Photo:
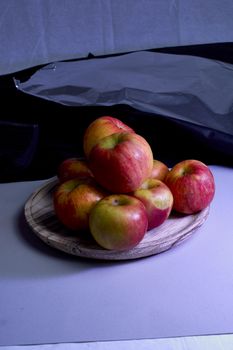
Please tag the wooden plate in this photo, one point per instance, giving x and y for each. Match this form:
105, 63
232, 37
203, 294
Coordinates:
41, 218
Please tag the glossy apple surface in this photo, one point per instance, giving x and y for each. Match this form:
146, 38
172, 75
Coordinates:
118, 222
100, 128
73, 168
73, 201
121, 162
159, 170
157, 199
192, 185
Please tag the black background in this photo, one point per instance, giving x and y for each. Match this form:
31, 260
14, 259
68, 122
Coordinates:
36, 134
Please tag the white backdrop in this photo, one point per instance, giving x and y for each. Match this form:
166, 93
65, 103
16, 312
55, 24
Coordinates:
35, 32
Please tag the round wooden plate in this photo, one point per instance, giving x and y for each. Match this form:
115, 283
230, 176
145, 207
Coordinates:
41, 218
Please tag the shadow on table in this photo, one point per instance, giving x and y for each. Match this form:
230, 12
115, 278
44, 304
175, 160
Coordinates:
31, 258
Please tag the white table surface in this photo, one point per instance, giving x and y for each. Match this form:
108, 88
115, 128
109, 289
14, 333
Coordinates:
180, 299
213, 342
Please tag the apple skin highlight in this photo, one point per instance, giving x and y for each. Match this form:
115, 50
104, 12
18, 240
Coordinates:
159, 170
121, 162
192, 185
118, 222
73, 201
102, 127
157, 199
72, 168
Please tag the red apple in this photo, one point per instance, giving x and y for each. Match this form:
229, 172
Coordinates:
192, 185
100, 128
73, 201
73, 168
159, 170
157, 199
121, 162
118, 222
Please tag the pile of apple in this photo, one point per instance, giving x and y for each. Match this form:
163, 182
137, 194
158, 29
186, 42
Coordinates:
119, 191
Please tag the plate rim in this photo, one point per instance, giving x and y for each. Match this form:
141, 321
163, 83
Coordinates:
98, 252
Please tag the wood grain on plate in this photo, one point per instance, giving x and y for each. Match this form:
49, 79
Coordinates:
41, 218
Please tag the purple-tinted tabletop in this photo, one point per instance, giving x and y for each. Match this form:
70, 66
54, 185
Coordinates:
47, 296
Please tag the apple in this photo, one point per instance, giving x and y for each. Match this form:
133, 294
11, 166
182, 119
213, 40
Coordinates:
192, 185
73, 201
157, 199
73, 168
159, 170
118, 222
99, 128
121, 162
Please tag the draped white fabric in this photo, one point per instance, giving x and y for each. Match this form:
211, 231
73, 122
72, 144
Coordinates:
41, 31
